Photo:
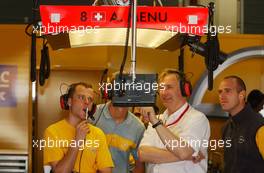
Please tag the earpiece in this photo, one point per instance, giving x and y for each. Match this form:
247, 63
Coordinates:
107, 93
185, 85
64, 99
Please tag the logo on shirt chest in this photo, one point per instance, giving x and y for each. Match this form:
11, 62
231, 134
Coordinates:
241, 139
120, 142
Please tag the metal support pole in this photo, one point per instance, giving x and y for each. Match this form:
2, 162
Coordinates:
134, 39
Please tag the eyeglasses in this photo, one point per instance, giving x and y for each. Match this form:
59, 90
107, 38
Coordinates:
84, 98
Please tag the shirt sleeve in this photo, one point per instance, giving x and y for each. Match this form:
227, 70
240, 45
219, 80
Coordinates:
148, 137
139, 138
196, 133
260, 140
51, 153
103, 159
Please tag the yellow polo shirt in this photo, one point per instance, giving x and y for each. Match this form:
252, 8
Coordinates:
60, 136
260, 140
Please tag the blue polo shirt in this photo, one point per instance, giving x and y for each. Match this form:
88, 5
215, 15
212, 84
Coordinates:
122, 138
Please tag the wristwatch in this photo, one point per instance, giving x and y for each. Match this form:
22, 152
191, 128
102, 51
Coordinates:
157, 124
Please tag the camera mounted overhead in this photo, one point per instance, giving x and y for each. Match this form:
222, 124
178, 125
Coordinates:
210, 50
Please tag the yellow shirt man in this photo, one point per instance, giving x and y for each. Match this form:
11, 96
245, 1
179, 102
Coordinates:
260, 140
94, 150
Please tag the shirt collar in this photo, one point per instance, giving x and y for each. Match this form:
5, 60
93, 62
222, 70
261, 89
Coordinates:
106, 111
243, 115
107, 114
68, 124
169, 119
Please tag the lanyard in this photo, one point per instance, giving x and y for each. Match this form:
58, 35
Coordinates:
179, 118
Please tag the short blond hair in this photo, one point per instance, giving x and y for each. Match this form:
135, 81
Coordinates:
169, 71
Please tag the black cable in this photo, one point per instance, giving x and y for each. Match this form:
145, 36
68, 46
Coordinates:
181, 56
100, 114
212, 46
27, 28
30, 33
47, 62
80, 161
85, 139
102, 91
127, 40
181, 60
44, 70
103, 75
35, 17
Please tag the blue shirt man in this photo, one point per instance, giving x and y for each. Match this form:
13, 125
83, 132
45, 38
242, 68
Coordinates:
123, 132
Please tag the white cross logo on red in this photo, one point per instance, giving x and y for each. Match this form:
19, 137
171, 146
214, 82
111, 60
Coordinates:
55, 17
98, 16
192, 19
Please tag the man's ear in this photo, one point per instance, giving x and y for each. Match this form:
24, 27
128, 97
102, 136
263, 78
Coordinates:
242, 94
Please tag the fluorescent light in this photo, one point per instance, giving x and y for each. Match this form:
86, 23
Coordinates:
148, 38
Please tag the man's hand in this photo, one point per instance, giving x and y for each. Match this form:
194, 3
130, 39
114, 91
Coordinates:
81, 130
198, 158
149, 114
66, 164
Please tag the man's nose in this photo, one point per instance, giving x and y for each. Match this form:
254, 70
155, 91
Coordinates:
221, 96
88, 100
163, 91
